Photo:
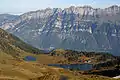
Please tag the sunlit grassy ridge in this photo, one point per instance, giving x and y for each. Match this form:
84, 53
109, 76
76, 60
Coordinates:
13, 45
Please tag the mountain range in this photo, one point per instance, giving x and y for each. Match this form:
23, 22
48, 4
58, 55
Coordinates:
76, 28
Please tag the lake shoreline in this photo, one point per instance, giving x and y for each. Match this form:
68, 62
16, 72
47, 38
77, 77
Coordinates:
82, 67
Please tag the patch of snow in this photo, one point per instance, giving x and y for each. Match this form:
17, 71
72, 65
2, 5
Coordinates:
113, 34
58, 24
83, 41
18, 30
90, 30
33, 30
40, 30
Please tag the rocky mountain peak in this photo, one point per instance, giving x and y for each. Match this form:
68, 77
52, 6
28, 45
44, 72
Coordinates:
84, 10
114, 6
76, 28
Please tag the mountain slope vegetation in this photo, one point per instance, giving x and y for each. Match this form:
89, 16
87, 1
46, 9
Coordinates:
14, 46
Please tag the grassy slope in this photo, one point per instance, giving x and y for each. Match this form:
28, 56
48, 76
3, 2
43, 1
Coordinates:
26, 47
14, 46
20, 70
12, 68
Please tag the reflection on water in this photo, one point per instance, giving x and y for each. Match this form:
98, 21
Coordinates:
83, 67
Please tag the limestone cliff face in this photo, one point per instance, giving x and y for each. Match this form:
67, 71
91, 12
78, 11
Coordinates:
77, 28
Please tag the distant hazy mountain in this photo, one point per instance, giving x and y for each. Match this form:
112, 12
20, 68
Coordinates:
6, 18
76, 28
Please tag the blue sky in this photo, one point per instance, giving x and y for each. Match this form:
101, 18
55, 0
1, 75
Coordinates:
21, 6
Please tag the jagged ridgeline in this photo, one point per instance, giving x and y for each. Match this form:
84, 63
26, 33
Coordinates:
12, 45
75, 28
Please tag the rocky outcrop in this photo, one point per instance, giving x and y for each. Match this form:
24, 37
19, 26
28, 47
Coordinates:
77, 28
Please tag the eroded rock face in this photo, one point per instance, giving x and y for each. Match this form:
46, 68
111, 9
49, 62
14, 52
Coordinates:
76, 28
